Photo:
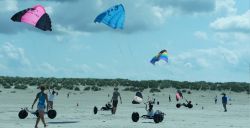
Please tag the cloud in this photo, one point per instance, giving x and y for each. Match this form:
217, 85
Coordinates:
188, 64
49, 10
225, 7
101, 66
203, 62
46, 67
60, 0
237, 38
70, 31
8, 5
187, 7
207, 58
13, 56
3, 67
84, 68
201, 35
233, 23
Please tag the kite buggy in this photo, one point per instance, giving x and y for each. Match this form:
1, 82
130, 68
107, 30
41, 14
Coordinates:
188, 104
157, 116
107, 107
23, 113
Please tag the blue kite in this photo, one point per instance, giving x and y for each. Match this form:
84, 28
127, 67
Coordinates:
114, 17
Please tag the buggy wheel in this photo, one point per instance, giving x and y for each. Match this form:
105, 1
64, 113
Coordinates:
190, 106
52, 114
178, 105
157, 118
135, 116
95, 110
22, 114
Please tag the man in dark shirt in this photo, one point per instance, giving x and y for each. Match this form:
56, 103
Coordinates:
114, 100
224, 102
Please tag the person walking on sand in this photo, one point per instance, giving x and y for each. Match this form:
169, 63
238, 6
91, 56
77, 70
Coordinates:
224, 102
169, 98
41, 97
114, 100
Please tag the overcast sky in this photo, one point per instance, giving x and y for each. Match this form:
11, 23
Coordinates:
207, 40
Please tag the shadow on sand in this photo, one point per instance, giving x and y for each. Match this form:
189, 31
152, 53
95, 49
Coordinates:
147, 122
63, 122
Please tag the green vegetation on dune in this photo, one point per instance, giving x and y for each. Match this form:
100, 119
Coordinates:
153, 90
21, 86
86, 89
77, 89
95, 88
130, 85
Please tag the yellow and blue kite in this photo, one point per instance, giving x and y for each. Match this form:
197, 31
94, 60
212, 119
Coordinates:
162, 55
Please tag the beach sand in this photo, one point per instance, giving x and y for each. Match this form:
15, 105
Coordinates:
69, 115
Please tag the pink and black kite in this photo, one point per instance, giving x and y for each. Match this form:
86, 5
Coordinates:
35, 16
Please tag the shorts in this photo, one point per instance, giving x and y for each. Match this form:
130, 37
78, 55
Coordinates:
41, 108
115, 102
50, 103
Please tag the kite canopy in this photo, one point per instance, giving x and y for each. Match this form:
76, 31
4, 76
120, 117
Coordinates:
114, 17
35, 16
162, 55
138, 98
139, 94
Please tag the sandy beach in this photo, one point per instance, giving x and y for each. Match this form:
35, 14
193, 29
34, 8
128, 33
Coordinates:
69, 115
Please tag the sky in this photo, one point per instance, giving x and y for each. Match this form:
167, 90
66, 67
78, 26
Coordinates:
206, 40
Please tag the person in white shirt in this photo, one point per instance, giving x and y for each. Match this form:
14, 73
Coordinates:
51, 98
149, 109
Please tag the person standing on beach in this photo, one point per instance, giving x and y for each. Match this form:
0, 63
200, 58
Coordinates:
51, 98
68, 95
114, 100
224, 102
41, 97
169, 98
215, 99
150, 111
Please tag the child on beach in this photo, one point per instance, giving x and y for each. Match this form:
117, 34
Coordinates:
51, 98
41, 97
